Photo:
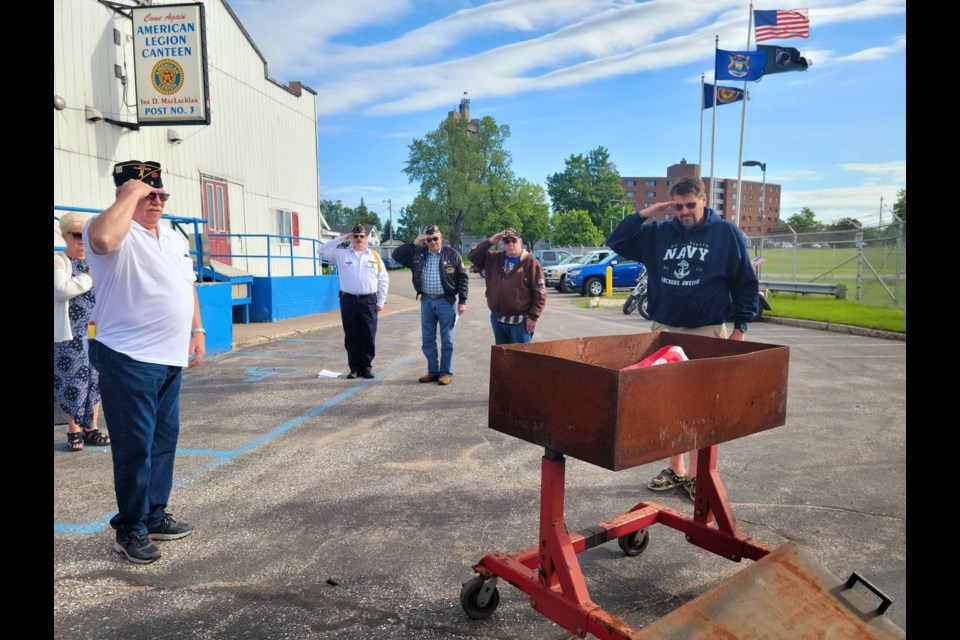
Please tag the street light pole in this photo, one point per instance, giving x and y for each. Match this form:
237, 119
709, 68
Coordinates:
763, 190
623, 208
389, 202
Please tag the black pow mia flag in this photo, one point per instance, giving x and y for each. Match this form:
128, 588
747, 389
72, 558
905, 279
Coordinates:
782, 59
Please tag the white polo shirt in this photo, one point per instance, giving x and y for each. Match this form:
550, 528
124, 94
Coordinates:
145, 297
360, 272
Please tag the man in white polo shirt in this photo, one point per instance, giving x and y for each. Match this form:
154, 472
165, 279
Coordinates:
148, 328
364, 283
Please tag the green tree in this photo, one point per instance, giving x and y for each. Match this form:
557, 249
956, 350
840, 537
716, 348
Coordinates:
335, 213
843, 224
364, 216
408, 224
804, 221
526, 211
464, 176
900, 206
587, 183
574, 227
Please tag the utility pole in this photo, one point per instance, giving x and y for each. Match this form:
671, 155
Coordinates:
389, 202
881, 212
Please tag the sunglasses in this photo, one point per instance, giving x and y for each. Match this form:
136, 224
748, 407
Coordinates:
359, 236
76, 236
509, 240
690, 205
153, 195
433, 239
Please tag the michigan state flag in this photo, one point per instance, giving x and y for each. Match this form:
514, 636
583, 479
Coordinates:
740, 65
782, 59
725, 95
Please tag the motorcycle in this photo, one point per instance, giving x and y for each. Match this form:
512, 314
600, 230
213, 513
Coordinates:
637, 300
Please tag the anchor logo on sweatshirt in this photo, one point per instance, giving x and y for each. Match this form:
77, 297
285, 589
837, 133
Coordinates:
683, 270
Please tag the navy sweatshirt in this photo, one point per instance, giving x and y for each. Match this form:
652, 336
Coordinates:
696, 277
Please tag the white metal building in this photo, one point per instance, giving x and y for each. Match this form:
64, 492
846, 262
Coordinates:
252, 170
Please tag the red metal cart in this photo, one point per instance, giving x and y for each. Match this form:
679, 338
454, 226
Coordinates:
728, 389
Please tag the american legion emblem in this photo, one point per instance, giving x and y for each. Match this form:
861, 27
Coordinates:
167, 76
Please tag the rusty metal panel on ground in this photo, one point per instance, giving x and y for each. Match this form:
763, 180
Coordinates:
786, 595
571, 395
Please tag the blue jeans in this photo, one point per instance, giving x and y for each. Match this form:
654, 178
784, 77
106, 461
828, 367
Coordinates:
141, 402
504, 333
434, 312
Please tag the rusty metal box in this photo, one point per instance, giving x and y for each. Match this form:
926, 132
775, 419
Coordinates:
572, 397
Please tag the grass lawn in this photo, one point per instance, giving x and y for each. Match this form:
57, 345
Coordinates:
815, 307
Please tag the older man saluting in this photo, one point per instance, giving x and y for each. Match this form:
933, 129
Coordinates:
516, 288
148, 329
363, 292
442, 284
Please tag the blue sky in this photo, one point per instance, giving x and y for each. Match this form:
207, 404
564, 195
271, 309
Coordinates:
568, 76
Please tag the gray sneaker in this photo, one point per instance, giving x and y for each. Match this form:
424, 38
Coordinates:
169, 529
140, 549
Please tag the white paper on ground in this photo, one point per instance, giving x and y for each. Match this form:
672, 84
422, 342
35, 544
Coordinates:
328, 374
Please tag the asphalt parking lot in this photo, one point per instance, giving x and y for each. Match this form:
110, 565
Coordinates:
355, 509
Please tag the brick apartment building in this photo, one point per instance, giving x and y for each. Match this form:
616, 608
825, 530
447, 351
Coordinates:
642, 192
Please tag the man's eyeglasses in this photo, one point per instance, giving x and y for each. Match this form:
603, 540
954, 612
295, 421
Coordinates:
359, 236
153, 195
689, 205
509, 240
433, 239
76, 236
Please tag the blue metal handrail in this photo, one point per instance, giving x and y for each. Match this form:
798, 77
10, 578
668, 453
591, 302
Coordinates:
176, 221
185, 224
269, 255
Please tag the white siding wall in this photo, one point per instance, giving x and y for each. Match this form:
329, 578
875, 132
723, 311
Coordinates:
262, 139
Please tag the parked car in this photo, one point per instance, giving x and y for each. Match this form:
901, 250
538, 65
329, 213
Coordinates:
556, 276
390, 263
550, 257
591, 279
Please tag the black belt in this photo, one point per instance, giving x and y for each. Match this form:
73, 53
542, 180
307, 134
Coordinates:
434, 296
363, 296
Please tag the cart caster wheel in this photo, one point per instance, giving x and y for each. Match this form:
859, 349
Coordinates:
473, 592
633, 544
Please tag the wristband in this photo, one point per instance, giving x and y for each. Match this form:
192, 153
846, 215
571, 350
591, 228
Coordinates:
194, 332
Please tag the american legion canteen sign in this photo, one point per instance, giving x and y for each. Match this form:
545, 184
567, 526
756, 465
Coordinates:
170, 64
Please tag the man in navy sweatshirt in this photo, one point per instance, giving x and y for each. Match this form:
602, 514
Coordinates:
698, 276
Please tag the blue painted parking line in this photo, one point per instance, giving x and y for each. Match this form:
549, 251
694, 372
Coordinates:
218, 457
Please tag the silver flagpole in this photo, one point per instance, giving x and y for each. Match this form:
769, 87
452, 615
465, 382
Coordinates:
735, 218
702, 107
713, 131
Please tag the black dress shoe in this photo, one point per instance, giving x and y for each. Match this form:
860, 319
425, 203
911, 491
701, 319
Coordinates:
367, 373
353, 374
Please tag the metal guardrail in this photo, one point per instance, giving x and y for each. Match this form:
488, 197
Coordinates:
838, 291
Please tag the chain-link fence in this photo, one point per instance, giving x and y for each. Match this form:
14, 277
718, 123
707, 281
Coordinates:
871, 263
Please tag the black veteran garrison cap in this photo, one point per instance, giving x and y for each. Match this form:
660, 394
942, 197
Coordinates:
148, 172
510, 232
358, 228
431, 229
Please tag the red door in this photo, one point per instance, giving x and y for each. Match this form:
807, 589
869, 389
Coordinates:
216, 209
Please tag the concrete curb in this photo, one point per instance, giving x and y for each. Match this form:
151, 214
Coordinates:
808, 324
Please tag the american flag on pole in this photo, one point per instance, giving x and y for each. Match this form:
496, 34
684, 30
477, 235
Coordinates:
773, 25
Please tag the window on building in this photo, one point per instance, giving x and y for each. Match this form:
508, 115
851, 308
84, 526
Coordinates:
733, 185
284, 225
631, 183
651, 194
630, 194
647, 205
669, 183
733, 207
650, 183
733, 196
